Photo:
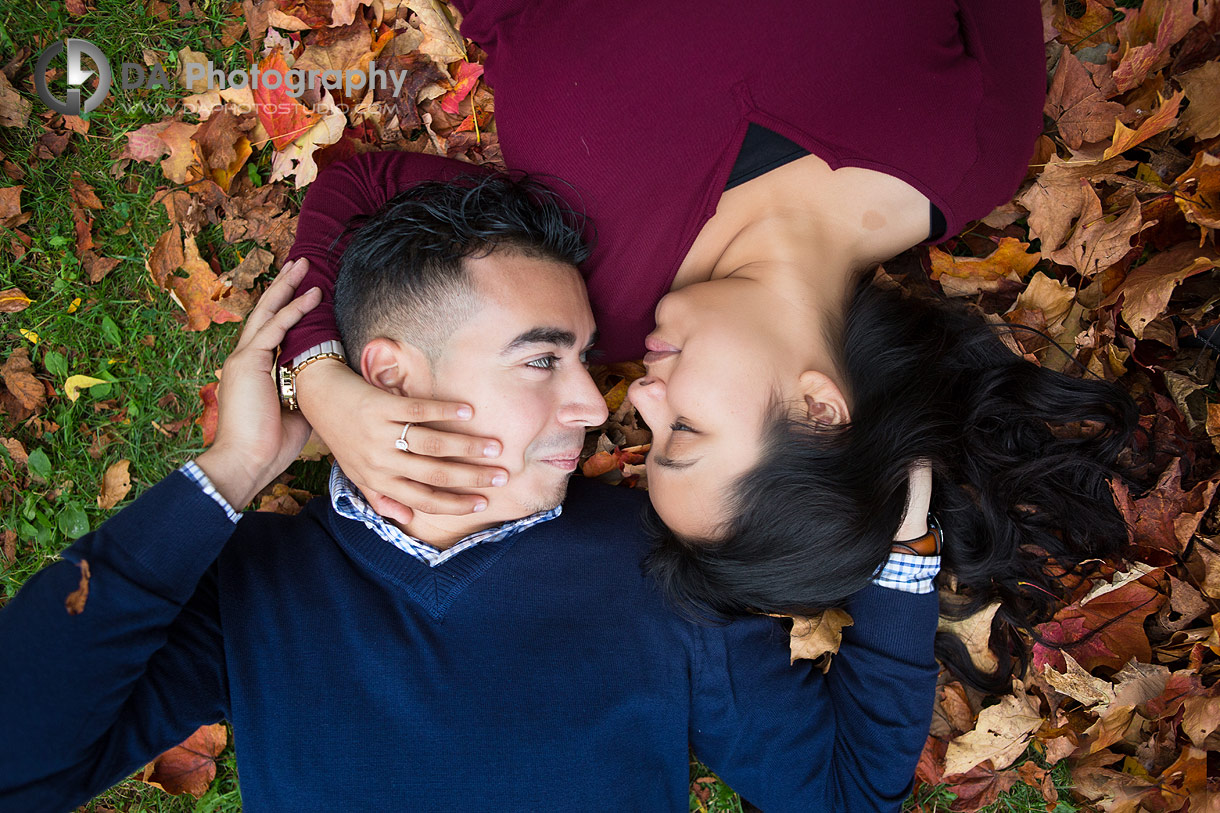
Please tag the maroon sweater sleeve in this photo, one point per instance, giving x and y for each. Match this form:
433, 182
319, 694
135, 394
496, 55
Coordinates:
356, 186
1006, 40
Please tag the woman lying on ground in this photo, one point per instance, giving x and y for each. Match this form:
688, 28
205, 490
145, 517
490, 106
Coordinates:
744, 173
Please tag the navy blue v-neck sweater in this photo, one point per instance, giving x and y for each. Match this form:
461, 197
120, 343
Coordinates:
539, 673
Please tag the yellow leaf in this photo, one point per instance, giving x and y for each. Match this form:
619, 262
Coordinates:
76, 383
30, 335
75, 304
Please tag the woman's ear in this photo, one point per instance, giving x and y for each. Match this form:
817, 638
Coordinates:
396, 367
824, 400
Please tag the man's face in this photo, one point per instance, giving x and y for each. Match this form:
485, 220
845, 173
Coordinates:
519, 361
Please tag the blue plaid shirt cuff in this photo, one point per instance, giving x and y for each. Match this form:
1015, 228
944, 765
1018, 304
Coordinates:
200, 479
908, 573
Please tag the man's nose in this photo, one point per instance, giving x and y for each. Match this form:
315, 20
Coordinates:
587, 407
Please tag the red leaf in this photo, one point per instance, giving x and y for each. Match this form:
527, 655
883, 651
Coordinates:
211, 413
283, 117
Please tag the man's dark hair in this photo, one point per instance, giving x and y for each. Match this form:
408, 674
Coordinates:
403, 273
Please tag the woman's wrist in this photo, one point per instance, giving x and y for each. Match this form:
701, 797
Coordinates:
318, 378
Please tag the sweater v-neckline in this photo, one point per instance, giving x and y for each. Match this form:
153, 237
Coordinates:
434, 588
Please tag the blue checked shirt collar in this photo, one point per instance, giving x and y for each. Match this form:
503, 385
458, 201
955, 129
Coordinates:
350, 503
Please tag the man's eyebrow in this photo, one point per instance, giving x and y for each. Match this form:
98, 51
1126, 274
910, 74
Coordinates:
543, 335
669, 463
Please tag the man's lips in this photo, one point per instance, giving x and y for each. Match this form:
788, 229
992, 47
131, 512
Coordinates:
566, 461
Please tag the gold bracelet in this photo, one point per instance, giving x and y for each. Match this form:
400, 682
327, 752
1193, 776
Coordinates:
288, 379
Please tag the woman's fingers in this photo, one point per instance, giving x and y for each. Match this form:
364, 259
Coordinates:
419, 497
423, 440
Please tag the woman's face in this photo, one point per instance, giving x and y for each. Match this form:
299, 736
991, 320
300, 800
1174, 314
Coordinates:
719, 352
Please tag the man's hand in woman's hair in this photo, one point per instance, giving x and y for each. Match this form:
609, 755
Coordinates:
360, 423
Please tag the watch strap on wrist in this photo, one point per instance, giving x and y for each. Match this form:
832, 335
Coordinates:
287, 376
927, 545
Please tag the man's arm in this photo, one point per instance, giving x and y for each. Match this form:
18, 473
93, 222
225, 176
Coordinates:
92, 696
787, 737
94, 691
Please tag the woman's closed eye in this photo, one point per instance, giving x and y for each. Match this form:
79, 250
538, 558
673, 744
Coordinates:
678, 426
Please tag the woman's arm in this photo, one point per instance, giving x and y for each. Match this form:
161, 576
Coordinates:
357, 421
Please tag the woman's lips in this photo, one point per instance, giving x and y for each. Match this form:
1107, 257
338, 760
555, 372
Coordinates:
656, 345
653, 356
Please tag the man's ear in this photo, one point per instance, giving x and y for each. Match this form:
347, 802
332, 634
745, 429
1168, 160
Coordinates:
396, 367
824, 400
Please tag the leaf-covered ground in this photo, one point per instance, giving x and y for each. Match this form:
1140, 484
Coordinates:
134, 242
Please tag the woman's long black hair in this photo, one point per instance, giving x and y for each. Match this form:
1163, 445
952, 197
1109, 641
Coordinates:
1021, 456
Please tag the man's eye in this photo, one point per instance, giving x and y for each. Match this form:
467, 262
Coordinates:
544, 363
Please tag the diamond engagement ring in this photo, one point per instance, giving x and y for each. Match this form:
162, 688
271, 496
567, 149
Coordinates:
401, 443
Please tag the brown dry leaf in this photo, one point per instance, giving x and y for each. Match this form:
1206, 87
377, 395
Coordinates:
1077, 101
13, 300
979, 787
814, 636
1090, 29
1114, 791
1145, 51
1213, 424
191, 766
166, 257
9, 546
1108, 631
1078, 684
1001, 734
203, 295
965, 276
1199, 192
975, 632
181, 165
1161, 120
115, 484
442, 42
1201, 716
18, 375
10, 203
1096, 244
252, 266
145, 144
1146, 291
14, 108
75, 602
1202, 89
83, 194
186, 58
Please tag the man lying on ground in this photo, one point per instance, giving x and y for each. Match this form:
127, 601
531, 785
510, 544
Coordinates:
514, 659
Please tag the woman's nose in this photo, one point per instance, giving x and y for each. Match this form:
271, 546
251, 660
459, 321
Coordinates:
646, 390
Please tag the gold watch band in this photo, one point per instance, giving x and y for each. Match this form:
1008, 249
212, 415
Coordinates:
288, 378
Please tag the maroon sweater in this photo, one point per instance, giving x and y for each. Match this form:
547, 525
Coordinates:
642, 108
